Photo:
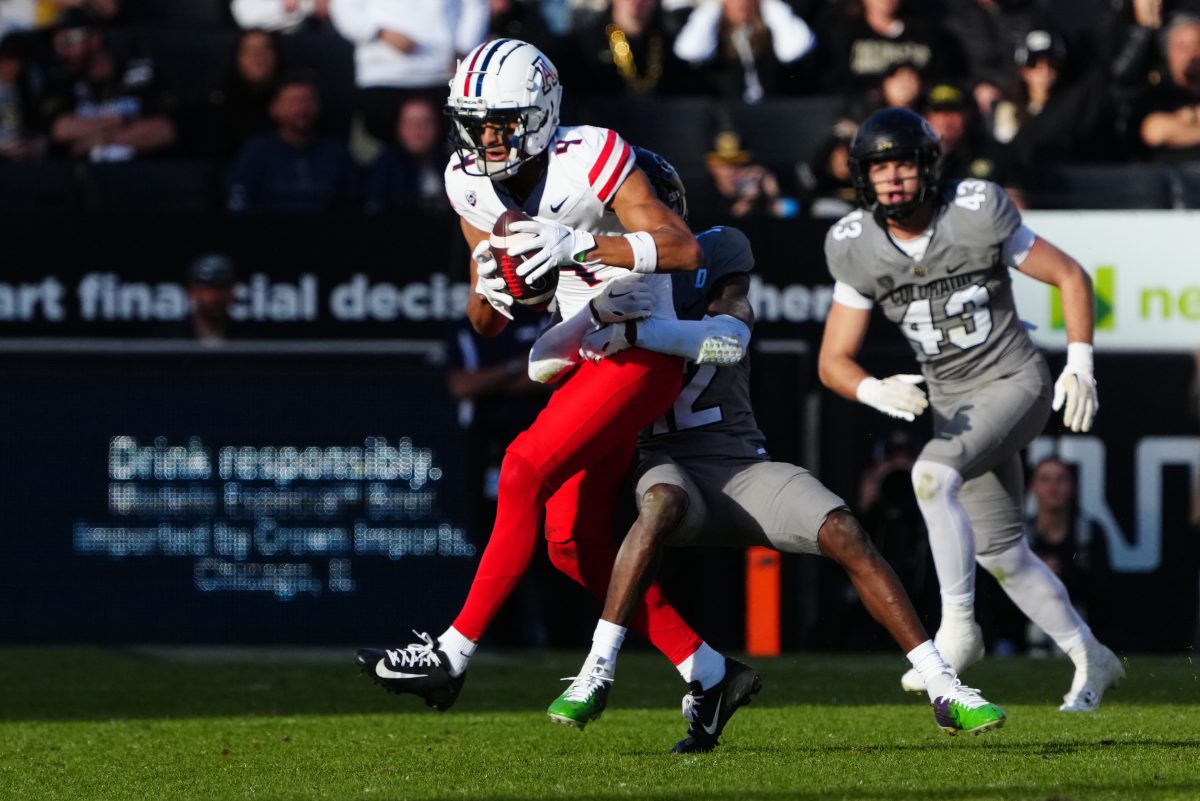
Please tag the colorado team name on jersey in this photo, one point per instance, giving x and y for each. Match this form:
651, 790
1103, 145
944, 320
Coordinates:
585, 169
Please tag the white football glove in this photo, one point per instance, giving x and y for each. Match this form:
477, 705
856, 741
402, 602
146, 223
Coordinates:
608, 340
1077, 387
490, 284
896, 396
621, 300
556, 246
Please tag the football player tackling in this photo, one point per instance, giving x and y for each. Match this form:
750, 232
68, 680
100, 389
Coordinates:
704, 478
936, 259
596, 219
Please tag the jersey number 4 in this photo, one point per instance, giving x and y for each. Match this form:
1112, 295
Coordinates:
686, 412
967, 306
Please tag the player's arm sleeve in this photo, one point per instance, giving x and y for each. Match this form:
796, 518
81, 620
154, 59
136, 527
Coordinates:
722, 340
848, 296
609, 158
557, 349
1016, 248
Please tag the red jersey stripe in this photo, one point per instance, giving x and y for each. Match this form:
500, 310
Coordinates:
598, 167
612, 179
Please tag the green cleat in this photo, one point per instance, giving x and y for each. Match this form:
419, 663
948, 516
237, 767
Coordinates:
585, 699
964, 709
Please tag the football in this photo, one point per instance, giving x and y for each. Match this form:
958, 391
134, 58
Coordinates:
537, 294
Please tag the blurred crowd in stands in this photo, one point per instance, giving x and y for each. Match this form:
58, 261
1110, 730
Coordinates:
319, 106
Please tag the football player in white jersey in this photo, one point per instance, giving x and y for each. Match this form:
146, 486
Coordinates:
704, 478
936, 260
596, 218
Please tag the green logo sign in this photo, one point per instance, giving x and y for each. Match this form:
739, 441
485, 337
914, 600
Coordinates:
1104, 287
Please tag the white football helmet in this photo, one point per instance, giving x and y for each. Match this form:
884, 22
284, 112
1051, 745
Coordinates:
510, 83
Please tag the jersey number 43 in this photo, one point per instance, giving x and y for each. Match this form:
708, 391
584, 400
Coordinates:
965, 321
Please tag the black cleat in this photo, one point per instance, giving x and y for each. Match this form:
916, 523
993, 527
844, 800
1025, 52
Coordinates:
418, 668
707, 711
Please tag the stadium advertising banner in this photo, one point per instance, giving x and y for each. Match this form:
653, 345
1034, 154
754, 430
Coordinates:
307, 479
1145, 267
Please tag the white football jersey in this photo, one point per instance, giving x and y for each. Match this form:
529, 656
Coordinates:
586, 167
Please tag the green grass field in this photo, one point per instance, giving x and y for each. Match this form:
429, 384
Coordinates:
111, 725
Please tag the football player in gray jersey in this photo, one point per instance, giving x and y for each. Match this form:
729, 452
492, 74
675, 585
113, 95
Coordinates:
935, 259
704, 478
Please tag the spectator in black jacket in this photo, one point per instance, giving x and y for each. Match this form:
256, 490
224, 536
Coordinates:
748, 49
98, 109
293, 170
628, 51
869, 36
240, 107
409, 172
1050, 118
1168, 115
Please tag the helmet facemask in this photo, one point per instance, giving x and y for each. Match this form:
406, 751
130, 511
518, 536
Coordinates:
466, 135
927, 181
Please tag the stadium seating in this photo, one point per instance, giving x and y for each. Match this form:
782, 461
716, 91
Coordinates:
783, 132
38, 189
154, 187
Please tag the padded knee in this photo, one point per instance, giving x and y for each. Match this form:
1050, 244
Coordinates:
934, 481
1009, 562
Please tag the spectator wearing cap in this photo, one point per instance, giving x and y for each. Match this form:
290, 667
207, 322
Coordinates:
747, 49
403, 48
1167, 116
283, 16
210, 278
1051, 119
98, 109
627, 51
966, 152
293, 170
744, 189
987, 32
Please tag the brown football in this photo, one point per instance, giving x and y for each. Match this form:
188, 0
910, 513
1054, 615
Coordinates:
536, 295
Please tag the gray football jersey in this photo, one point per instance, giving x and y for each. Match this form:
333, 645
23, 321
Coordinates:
712, 417
955, 305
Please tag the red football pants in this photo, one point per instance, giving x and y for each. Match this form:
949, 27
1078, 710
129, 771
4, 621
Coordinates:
570, 463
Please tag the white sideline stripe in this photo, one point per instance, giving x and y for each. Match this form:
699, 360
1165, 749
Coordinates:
434, 350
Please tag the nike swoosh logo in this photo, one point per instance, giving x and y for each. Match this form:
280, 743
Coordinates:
554, 207
615, 295
711, 728
956, 268
384, 673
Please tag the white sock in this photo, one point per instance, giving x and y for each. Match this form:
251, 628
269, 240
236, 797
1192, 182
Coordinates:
1041, 595
951, 538
606, 642
705, 666
958, 611
458, 650
939, 677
